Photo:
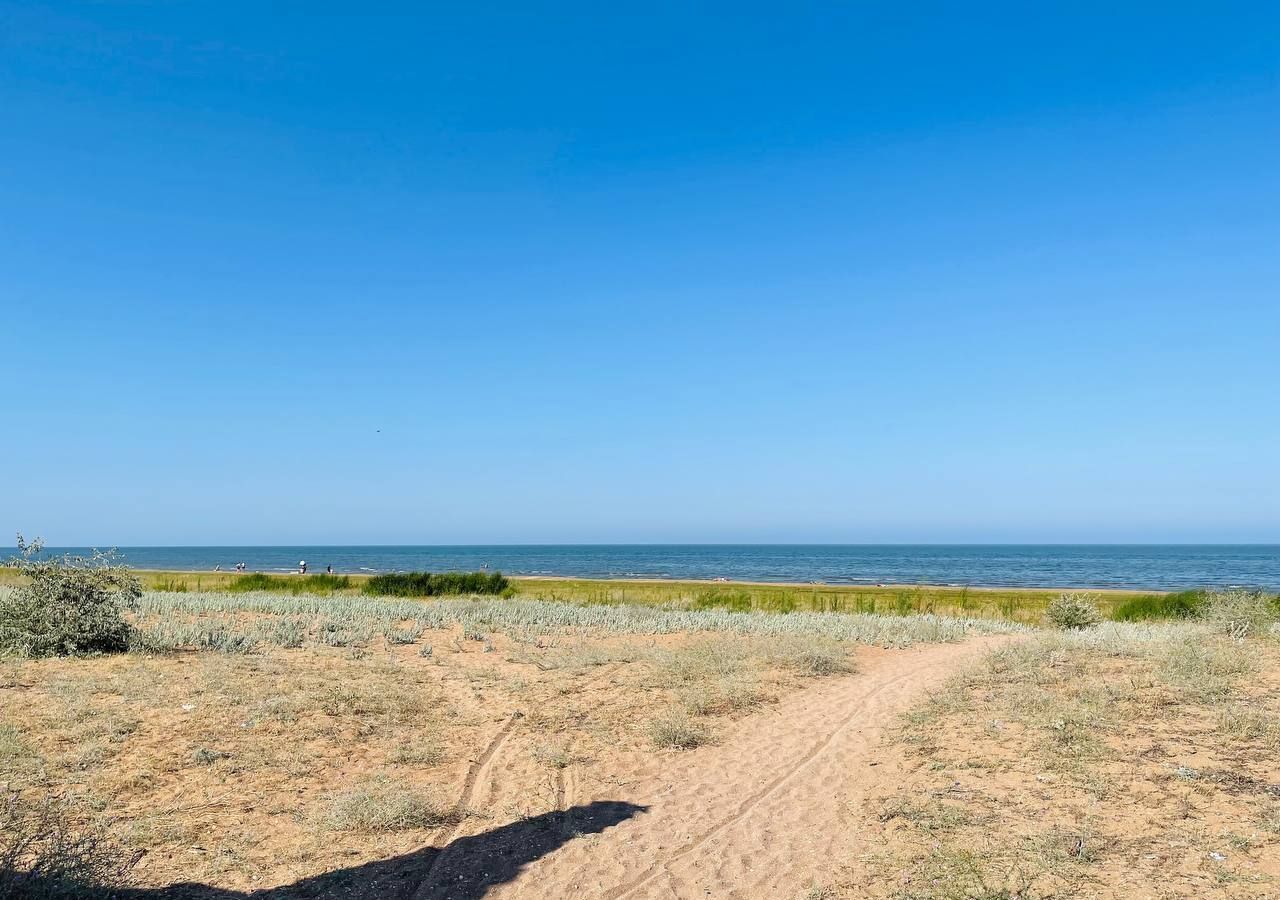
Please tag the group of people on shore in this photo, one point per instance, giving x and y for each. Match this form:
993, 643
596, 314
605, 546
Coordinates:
302, 568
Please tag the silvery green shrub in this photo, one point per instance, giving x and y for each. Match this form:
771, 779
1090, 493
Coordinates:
1074, 611
67, 606
1239, 613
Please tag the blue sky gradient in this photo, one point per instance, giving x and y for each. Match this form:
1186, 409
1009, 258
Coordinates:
662, 272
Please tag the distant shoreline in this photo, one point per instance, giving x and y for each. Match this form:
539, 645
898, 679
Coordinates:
709, 582
697, 567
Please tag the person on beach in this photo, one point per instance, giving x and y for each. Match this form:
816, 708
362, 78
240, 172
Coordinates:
302, 567
328, 570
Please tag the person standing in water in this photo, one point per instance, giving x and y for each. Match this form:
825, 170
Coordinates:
302, 567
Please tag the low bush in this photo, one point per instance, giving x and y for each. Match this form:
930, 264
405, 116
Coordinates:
1182, 605
67, 606
1239, 614
437, 584
1074, 611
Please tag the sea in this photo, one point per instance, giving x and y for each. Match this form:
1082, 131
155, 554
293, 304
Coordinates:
1139, 566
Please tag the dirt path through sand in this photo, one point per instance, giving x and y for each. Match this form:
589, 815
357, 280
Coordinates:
766, 812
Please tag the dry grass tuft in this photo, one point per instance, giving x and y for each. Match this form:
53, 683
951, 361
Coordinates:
46, 853
553, 754
382, 805
674, 730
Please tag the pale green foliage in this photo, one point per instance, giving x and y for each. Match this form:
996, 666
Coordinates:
179, 619
68, 605
1239, 614
1074, 610
1203, 667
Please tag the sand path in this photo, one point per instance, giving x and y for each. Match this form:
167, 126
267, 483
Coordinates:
766, 812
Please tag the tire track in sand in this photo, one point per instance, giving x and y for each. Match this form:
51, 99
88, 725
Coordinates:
479, 767
752, 801
759, 812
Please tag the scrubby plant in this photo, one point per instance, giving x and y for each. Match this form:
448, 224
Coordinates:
1074, 611
1239, 614
1201, 667
45, 856
674, 730
553, 755
382, 805
67, 606
726, 695
813, 659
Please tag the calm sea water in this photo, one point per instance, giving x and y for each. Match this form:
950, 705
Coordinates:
1136, 566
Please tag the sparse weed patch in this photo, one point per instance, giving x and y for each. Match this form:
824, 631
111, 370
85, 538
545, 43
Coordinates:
45, 855
1202, 668
1069, 721
553, 755
382, 805
674, 730
1239, 614
1245, 722
811, 657
737, 601
420, 753
724, 695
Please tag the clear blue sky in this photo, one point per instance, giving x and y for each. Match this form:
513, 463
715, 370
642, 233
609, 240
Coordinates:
651, 272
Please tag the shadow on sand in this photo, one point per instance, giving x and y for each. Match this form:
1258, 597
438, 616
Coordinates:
463, 870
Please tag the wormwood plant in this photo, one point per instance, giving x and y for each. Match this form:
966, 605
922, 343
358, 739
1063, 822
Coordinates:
1074, 611
1238, 613
67, 606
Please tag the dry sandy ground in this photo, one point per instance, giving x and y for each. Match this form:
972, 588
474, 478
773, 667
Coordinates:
219, 772
1103, 776
756, 816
